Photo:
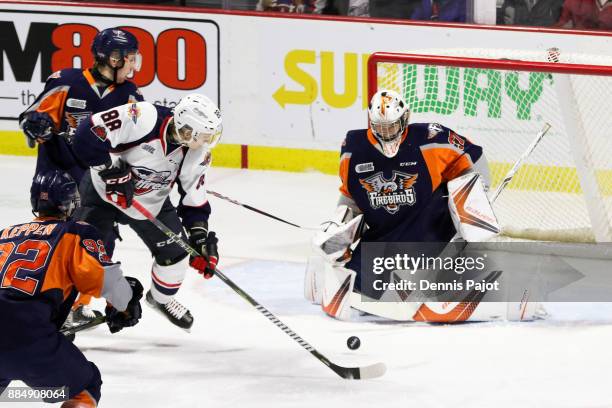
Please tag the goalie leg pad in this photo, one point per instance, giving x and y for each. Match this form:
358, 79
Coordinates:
314, 279
338, 286
166, 280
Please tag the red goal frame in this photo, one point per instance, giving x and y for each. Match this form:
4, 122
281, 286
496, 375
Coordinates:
463, 62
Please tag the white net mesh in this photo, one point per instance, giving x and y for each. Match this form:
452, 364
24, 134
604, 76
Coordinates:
503, 110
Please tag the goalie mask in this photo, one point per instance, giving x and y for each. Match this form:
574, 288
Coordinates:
197, 122
388, 114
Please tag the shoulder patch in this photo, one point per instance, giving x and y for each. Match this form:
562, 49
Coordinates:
100, 132
456, 140
433, 129
364, 167
76, 103
134, 112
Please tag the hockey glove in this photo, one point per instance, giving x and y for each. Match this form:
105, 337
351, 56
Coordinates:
119, 184
37, 127
206, 244
117, 320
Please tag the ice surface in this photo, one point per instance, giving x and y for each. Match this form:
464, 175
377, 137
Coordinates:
234, 357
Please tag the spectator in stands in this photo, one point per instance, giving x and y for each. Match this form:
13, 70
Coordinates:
355, 8
541, 13
441, 10
586, 14
281, 6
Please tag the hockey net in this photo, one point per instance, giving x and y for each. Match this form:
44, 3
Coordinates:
501, 100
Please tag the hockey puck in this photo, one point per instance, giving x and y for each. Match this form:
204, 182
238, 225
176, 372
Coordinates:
353, 342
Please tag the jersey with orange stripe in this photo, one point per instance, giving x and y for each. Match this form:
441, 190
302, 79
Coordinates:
404, 198
70, 96
43, 264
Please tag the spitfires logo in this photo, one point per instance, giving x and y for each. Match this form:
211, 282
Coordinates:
390, 194
146, 180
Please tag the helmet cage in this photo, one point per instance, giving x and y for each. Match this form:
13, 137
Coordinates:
389, 133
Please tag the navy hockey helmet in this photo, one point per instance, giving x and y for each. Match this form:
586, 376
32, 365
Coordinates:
112, 40
54, 193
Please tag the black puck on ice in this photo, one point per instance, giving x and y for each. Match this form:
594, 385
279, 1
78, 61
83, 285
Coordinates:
353, 342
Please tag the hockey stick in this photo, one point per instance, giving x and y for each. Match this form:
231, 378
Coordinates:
520, 161
351, 373
258, 211
69, 331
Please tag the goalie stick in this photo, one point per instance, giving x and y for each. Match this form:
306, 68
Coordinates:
350, 373
520, 161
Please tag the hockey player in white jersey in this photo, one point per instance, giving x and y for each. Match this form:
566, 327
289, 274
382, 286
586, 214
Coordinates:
141, 150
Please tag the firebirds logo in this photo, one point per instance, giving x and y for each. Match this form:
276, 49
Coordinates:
74, 119
147, 180
390, 194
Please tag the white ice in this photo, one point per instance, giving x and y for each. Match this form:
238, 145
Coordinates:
234, 357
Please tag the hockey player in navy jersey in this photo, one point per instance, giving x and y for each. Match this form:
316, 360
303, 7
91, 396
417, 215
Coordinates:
71, 96
141, 150
44, 264
394, 179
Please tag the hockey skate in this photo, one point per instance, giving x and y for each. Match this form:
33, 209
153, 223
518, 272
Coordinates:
178, 314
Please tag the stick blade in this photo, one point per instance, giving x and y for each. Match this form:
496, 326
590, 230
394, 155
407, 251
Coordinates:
360, 373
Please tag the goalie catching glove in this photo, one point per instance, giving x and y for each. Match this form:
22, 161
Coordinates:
116, 319
336, 236
206, 244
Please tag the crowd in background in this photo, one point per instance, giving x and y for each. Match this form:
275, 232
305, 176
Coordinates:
576, 14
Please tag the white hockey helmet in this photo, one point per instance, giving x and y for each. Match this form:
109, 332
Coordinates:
197, 121
388, 115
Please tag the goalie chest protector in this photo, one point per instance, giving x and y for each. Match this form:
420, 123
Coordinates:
404, 198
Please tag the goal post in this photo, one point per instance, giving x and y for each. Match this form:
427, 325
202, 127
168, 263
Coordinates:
500, 99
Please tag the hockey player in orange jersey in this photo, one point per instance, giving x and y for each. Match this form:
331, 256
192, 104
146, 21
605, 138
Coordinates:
43, 265
397, 178
70, 96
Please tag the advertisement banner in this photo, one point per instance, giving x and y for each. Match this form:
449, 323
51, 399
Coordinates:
281, 81
179, 55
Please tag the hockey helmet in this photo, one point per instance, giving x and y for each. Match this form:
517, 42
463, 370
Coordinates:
197, 121
54, 193
388, 114
115, 43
